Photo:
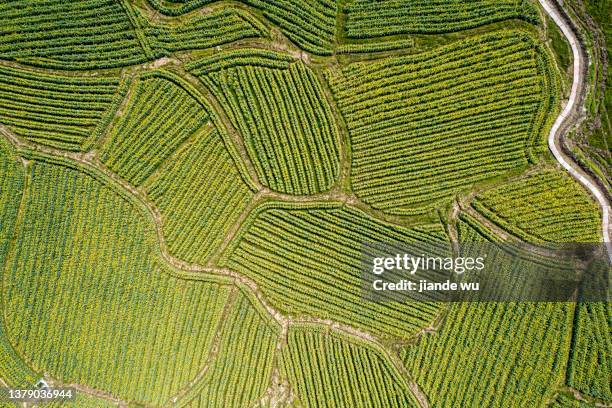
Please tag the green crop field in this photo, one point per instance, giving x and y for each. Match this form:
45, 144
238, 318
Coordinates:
193, 194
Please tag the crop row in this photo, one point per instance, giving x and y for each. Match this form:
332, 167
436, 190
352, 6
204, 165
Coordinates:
493, 354
203, 31
284, 118
368, 19
88, 301
329, 369
201, 195
73, 35
240, 372
95, 34
62, 111
359, 48
291, 251
451, 117
158, 118
14, 372
309, 24
241, 57
161, 143
545, 206
590, 365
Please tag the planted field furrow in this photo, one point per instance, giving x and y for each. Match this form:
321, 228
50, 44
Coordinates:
200, 32
424, 127
248, 338
291, 251
92, 264
331, 369
367, 19
311, 25
590, 363
160, 116
546, 206
61, 111
280, 110
102, 34
493, 354
199, 206
62, 35
162, 143
14, 372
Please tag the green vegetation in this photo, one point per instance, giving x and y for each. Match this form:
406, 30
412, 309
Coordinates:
279, 241
160, 116
375, 47
57, 110
280, 110
561, 47
455, 116
241, 369
94, 34
88, 300
601, 10
68, 34
366, 18
204, 31
199, 207
590, 365
188, 188
493, 354
310, 24
328, 368
161, 143
13, 370
547, 206
568, 401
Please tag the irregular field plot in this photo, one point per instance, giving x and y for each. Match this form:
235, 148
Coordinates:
167, 143
331, 369
495, 354
201, 195
88, 301
159, 117
75, 34
62, 111
424, 127
240, 372
307, 260
367, 19
202, 31
280, 110
13, 370
590, 365
97, 34
545, 206
309, 24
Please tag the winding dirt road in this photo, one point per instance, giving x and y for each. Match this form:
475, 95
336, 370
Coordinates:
573, 105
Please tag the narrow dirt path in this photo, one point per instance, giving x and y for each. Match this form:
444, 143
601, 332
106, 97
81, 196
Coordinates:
87, 160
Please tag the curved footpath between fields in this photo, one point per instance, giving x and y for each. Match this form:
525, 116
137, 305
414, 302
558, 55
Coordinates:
556, 131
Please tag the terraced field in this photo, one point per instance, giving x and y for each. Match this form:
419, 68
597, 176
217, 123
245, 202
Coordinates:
279, 240
455, 116
367, 19
62, 111
189, 190
95, 34
545, 206
313, 357
484, 352
279, 107
311, 25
